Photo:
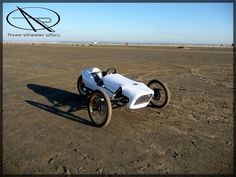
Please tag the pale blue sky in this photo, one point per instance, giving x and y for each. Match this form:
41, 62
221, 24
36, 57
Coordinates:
207, 23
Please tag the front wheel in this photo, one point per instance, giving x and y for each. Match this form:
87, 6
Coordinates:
99, 108
81, 87
161, 95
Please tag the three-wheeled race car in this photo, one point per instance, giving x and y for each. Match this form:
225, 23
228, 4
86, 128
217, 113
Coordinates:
108, 88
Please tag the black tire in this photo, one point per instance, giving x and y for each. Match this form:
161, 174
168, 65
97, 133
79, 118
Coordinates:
99, 108
158, 86
81, 87
114, 71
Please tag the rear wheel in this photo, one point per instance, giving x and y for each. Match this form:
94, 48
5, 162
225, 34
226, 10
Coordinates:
81, 87
161, 95
99, 108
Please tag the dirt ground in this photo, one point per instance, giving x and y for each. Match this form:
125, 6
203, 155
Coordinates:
46, 126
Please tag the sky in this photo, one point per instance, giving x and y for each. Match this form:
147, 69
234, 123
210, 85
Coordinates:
193, 23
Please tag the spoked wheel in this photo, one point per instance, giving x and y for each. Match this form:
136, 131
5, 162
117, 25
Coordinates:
99, 108
161, 95
81, 87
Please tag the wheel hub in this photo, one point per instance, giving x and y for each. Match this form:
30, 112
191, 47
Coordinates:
157, 94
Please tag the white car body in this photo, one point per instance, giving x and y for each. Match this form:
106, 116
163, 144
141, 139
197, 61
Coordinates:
138, 93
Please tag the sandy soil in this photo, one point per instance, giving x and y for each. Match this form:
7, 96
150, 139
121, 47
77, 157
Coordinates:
46, 127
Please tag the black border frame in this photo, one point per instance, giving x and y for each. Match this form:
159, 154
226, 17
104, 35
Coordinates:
119, 1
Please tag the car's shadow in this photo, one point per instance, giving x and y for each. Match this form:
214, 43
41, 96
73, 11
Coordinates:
60, 99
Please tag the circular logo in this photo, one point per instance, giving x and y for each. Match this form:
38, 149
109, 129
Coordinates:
33, 18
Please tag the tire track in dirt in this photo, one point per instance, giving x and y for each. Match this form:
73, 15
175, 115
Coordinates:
195, 73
